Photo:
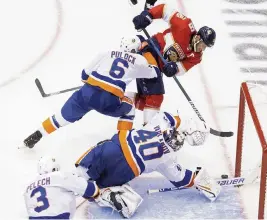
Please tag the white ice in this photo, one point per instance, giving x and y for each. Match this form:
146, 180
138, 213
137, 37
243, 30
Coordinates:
53, 40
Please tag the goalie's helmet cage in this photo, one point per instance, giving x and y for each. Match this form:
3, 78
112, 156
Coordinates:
251, 151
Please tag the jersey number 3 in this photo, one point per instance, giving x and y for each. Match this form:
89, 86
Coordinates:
117, 68
42, 201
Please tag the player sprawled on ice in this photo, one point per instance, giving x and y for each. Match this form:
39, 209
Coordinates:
104, 90
51, 195
181, 45
129, 153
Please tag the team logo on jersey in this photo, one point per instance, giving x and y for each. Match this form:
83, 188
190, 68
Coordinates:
174, 53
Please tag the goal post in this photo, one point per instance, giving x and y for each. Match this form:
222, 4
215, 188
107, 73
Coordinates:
252, 94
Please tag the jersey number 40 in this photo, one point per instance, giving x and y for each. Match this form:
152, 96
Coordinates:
148, 150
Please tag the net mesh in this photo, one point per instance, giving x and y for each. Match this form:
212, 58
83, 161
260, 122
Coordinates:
250, 144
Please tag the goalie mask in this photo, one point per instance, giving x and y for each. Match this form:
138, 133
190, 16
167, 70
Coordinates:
174, 139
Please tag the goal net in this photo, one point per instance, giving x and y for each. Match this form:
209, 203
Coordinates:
251, 152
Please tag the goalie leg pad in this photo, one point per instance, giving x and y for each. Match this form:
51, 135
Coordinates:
206, 185
121, 198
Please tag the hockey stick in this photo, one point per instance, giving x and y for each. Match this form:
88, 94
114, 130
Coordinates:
237, 181
41, 90
212, 131
81, 203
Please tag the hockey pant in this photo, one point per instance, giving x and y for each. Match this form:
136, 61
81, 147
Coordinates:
83, 101
106, 164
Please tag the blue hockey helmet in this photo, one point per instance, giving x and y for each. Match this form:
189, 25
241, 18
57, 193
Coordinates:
208, 35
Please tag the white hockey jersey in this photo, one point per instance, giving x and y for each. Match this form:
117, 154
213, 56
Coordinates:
114, 70
145, 150
53, 194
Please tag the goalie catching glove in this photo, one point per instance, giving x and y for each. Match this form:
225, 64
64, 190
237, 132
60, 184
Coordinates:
195, 132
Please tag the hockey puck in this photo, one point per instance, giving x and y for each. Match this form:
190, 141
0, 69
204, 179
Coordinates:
224, 176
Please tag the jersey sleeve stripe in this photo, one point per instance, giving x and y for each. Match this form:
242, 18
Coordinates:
91, 190
187, 181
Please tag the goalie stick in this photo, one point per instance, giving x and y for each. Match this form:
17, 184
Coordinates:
236, 181
212, 131
44, 95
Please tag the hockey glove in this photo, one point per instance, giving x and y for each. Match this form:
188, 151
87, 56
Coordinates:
170, 69
143, 20
196, 131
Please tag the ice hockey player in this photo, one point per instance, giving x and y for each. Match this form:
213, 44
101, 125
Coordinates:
129, 153
52, 194
181, 45
105, 82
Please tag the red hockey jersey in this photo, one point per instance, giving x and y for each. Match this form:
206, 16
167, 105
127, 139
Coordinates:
179, 35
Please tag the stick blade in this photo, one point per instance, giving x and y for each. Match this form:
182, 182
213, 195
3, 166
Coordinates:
221, 133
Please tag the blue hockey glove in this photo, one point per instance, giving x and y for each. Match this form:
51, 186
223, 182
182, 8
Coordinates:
170, 69
143, 20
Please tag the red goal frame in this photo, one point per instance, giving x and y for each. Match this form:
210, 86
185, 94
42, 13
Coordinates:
245, 99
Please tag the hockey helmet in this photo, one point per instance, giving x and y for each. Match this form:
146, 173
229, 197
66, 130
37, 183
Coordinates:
208, 35
130, 44
47, 164
173, 139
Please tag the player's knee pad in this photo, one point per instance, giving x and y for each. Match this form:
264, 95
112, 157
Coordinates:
153, 101
206, 184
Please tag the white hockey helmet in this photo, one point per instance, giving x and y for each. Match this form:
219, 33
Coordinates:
130, 44
47, 164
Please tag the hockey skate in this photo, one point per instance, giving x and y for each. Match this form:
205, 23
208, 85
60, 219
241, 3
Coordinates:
33, 139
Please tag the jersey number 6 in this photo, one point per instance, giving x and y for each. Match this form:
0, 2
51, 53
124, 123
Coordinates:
42, 200
117, 71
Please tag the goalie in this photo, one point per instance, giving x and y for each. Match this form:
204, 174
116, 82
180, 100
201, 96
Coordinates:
113, 163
